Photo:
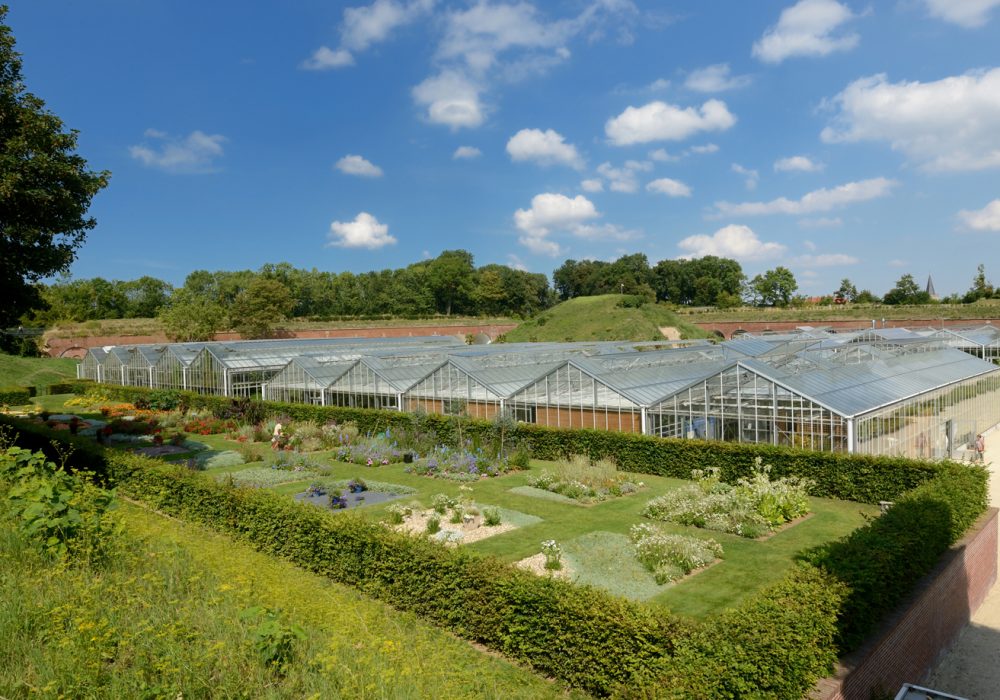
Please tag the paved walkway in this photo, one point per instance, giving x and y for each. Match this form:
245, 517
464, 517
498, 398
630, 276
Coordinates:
971, 668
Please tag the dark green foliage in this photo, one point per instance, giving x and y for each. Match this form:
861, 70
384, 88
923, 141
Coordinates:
773, 646
882, 561
79, 386
15, 395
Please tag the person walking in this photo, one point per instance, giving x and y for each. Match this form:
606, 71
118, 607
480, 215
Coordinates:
980, 446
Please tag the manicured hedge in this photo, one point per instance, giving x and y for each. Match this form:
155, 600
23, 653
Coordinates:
778, 642
862, 478
881, 561
15, 395
76, 386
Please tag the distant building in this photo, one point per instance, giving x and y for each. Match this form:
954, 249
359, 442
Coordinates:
930, 289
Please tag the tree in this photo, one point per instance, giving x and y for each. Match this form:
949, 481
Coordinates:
981, 288
774, 287
450, 276
45, 189
846, 291
256, 309
906, 291
190, 316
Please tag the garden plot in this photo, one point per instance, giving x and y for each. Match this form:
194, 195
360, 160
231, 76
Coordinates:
454, 523
354, 493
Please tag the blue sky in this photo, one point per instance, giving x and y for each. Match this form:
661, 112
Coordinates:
840, 139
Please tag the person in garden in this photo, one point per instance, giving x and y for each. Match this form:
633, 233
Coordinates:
278, 437
980, 446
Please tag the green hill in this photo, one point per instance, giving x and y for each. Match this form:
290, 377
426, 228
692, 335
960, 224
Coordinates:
603, 318
35, 371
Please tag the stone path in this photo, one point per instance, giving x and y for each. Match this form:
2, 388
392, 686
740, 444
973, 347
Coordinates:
971, 668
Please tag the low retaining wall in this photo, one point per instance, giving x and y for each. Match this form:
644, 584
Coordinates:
77, 347
912, 640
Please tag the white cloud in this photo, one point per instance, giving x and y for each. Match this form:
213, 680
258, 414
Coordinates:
985, 219
821, 200
450, 99
733, 241
671, 188
466, 153
372, 24
806, 29
809, 245
945, 125
356, 165
752, 176
659, 121
821, 222
800, 164
364, 232
194, 153
896, 262
624, 179
658, 84
707, 148
551, 212
715, 78
592, 185
515, 263
543, 147
825, 260
661, 156
325, 58
965, 13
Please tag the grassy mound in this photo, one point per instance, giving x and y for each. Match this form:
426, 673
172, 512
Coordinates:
35, 371
602, 318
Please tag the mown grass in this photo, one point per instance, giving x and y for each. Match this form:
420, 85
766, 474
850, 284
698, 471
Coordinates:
987, 308
747, 565
164, 618
600, 318
35, 371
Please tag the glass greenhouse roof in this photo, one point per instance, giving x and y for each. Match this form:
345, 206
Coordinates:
853, 389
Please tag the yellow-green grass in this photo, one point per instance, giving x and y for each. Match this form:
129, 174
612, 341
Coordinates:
163, 619
35, 371
986, 308
600, 318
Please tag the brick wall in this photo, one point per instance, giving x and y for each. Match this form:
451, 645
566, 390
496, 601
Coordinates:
915, 636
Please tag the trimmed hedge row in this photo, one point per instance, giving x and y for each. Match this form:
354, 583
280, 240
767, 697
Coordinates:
15, 395
775, 645
862, 478
880, 562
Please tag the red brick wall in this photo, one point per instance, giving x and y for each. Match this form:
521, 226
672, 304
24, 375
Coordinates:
915, 636
77, 347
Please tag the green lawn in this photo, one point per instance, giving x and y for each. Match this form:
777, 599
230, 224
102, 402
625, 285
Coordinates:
986, 308
600, 318
592, 536
35, 371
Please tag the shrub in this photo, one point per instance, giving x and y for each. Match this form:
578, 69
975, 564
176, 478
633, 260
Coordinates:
14, 396
441, 503
491, 517
433, 525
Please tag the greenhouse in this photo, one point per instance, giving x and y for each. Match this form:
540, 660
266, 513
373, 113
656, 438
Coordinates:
91, 366
923, 393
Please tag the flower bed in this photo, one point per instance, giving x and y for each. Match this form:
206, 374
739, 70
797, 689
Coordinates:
585, 480
461, 464
752, 508
668, 556
209, 426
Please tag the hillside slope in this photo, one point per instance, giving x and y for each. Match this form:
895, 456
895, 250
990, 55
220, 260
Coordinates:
32, 371
601, 318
